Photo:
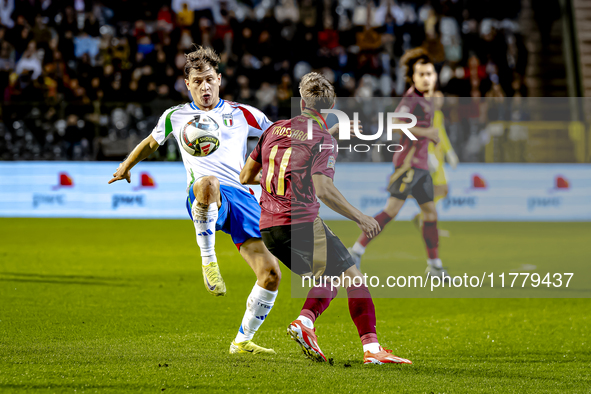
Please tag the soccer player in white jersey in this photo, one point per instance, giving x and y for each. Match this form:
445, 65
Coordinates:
216, 199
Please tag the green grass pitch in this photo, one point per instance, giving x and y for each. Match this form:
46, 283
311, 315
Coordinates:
119, 306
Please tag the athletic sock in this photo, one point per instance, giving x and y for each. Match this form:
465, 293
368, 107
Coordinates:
258, 305
318, 300
382, 218
436, 263
204, 219
431, 237
372, 347
205, 260
306, 321
358, 248
363, 314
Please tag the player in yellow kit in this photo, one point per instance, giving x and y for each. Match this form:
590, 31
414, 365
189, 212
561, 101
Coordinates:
437, 156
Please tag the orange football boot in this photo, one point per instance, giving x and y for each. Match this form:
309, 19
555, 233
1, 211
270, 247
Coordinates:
306, 338
384, 356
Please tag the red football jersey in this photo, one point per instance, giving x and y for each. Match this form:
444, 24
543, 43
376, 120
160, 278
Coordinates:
417, 152
289, 159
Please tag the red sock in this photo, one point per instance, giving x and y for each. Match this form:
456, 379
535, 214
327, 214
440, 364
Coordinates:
382, 218
431, 237
363, 313
318, 300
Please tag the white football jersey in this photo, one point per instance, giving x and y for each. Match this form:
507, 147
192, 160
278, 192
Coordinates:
237, 122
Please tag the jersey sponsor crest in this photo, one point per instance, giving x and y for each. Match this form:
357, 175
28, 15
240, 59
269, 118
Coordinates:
228, 120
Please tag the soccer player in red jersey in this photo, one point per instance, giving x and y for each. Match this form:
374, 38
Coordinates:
295, 169
411, 175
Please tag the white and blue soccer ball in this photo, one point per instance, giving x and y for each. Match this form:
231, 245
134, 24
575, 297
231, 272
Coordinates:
201, 136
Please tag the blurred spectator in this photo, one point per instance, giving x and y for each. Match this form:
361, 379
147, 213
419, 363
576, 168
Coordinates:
29, 62
6, 8
165, 19
85, 44
6, 64
185, 16
287, 11
41, 33
201, 8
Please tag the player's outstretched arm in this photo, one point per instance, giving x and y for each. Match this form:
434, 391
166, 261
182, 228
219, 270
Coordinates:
251, 173
139, 153
332, 197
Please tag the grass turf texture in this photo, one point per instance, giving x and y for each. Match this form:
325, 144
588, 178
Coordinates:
120, 306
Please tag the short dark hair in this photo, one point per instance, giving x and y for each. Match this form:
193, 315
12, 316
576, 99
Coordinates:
200, 58
413, 57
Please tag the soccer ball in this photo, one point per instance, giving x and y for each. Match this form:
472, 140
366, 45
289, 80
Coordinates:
201, 136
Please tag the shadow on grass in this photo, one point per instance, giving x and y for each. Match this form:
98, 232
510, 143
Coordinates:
60, 279
92, 277
123, 386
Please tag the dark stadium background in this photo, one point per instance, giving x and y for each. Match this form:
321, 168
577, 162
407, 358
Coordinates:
86, 80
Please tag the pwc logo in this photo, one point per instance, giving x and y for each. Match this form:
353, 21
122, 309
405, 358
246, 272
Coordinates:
561, 183
41, 200
478, 182
64, 180
146, 181
549, 201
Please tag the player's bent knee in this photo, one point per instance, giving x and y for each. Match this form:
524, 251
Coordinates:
391, 211
429, 211
430, 216
262, 262
441, 190
207, 189
209, 182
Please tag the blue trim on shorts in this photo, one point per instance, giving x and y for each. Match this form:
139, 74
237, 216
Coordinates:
238, 216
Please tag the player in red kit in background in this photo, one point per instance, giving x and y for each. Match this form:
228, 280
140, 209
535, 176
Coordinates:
411, 175
294, 170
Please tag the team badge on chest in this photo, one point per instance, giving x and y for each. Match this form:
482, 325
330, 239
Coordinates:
228, 120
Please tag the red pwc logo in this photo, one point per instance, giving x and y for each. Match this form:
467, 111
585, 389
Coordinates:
146, 180
560, 182
478, 182
64, 180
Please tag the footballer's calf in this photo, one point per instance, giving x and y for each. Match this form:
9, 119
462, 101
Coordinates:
262, 262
